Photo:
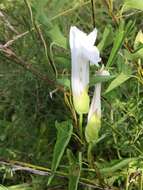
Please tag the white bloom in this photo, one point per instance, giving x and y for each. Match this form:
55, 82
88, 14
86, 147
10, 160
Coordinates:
83, 51
94, 115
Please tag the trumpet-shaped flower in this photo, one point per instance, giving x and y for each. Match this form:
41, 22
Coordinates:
83, 51
94, 115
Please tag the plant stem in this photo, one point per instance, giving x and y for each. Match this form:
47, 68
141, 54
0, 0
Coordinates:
127, 181
80, 125
89, 155
114, 135
93, 12
141, 179
92, 164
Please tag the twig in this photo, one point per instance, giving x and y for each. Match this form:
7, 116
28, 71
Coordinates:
38, 170
110, 10
12, 56
8, 53
10, 42
8, 23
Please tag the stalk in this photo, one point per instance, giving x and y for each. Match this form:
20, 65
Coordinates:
80, 126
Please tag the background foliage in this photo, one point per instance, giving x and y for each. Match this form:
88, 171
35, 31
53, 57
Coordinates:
35, 95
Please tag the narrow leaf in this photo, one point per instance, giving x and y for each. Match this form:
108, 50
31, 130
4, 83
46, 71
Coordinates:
20, 187
64, 133
121, 78
133, 4
117, 44
103, 42
117, 166
121, 33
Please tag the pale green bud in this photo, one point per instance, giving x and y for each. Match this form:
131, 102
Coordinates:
81, 103
139, 38
137, 43
92, 129
94, 115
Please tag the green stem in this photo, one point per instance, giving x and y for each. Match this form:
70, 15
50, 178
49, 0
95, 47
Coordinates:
93, 12
80, 125
114, 135
141, 179
89, 155
127, 182
92, 164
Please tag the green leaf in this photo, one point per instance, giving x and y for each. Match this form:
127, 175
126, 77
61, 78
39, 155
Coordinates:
138, 54
57, 37
105, 37
74, 170
121, 78
121, 33
62, 63
133, 4
20, 187
64, 134
119, 37
40, 15
3, 187
97, 79
65, 82
58, 6
118, 165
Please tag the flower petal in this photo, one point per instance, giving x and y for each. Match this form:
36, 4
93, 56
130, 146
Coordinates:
95, 107
76, 37
92, 54
92, 37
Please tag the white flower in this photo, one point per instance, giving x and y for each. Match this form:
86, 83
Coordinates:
94, 115
83, 51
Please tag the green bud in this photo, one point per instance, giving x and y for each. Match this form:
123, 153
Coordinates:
81, 103
139, 39
138, 42
92, 129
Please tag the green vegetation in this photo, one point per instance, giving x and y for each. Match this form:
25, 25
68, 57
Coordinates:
42, 141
